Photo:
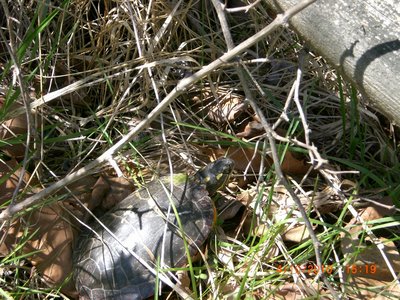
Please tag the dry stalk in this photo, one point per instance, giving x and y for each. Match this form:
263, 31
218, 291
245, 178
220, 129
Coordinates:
270, 136
182, 86
12, 50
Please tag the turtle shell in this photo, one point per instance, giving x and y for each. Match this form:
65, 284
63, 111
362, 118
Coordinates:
146, 224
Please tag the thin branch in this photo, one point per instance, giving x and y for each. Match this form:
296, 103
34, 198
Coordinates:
268, 129
25, 96
333, 180
242, 8
182, 86
306, 128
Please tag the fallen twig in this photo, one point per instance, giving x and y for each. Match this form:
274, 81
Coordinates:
182, 86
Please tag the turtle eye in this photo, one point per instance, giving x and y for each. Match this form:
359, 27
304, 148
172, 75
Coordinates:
219, 176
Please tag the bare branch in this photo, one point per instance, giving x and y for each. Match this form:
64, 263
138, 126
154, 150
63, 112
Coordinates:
182, 86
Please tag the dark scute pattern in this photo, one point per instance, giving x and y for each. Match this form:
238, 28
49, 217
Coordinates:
105, 270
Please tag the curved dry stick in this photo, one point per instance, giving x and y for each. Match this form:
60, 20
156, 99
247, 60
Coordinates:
181, 87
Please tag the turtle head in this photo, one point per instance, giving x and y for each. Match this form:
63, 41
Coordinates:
215, 175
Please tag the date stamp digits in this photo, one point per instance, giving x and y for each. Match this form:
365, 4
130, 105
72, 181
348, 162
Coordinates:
306, 268
366, 269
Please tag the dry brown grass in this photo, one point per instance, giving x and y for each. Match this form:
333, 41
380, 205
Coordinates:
102, 66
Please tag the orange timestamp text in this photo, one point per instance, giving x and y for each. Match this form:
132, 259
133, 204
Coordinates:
363, 269
306, 268
328, 269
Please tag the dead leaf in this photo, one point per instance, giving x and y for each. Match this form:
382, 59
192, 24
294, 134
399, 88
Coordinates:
52, 229
297, 234
360, 288
247, 160
246, 197
227, 208
9, 168
383, 207
292, 165
251, 130
230, 288
370, 262
228, 107
109, 191
260, 230
82, 191
295, 291
100, 190
184, 280
10, 129
227, 111
53, 238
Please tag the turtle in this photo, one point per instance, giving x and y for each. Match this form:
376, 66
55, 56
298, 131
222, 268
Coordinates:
161, 223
